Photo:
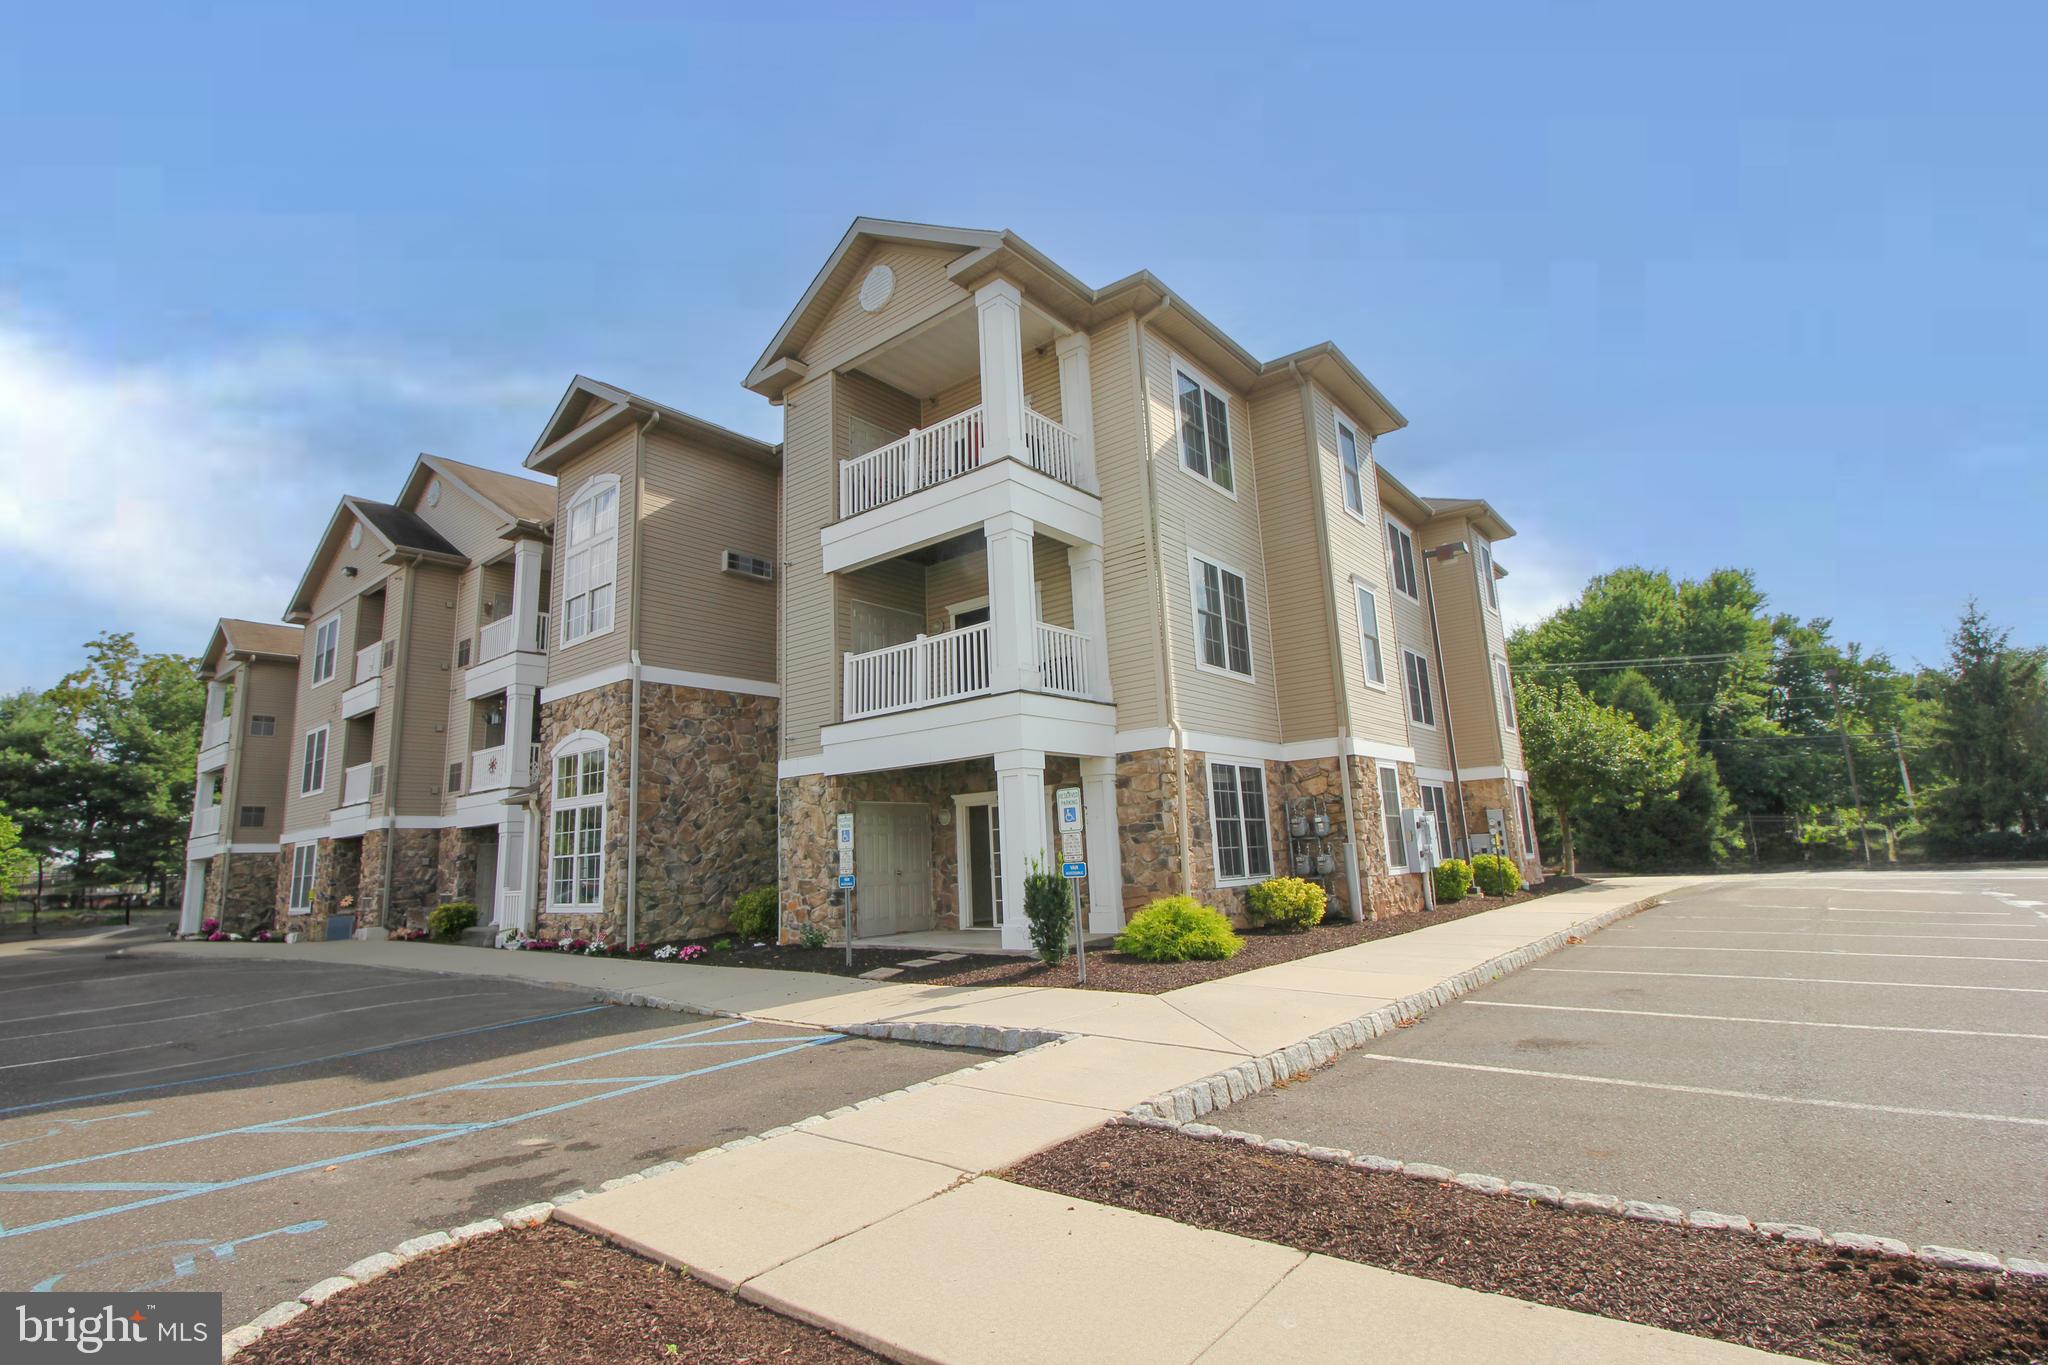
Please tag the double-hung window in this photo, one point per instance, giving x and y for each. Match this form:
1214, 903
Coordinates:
576, 854
326, 644
1390, 817
1421, 705
1439, 809
304, 858
590, 559
313, 763
1401, 552
1237, 810
1204, 429
1369, 635
1507, 691
1483, 552
1351, 460
1528, 819
1223, 633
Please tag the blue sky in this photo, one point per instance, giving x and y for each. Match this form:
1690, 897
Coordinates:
1749, 285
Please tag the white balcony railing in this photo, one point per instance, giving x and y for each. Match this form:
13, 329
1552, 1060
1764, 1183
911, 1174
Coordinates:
946, 451
490, 769
355, 784
206, 820
922, 672
216, 731
1063, 661
501, 637
369, 661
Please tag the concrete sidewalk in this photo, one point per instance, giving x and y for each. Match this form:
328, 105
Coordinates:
880, 1224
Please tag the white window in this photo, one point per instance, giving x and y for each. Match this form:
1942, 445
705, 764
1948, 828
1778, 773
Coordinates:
1369, 636
1528, 819
1352, 461
1439, 808
261, 726
1401, 551
304, 858
313, 763
590, 559
326, 644
1204, 429
1390, 815
1484, 554
1507, 691
1223, 637
1421, 705
1237, 815
576, 856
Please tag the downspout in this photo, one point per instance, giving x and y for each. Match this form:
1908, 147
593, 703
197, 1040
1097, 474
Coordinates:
1171, 695
398, 666
1361, 890
1443, 687
633, 740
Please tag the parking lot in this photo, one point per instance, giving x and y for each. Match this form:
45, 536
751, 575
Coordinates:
251, 1127
1862, 1052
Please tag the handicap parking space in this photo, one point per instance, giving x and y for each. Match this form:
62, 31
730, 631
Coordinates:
1751, 1049
253, 1140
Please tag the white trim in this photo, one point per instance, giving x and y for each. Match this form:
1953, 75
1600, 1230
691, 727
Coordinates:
974, 728
292, 904
1175, 367
1489, 590
326, 733
1379, 636
333, 618
954, 609
1441, 816
1195, 558
566, 546
1237, 764
1360, 451
1397, 833
1423, 774
963, 856
356, 827
1506, 683
575, 745
811, 766
1486, 774
1409, 694
1159, 737
965, 503
671, 677
1394, 523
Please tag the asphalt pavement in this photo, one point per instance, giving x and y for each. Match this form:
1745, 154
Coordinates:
251, 1127
1860, 1052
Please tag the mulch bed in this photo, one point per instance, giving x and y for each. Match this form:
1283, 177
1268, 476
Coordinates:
1773, 1296
548, 1296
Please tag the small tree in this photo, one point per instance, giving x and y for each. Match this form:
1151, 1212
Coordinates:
17, 864
1047, 907
1581, 754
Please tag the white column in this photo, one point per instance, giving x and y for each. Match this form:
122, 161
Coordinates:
1105, 844
999, 310
1091, 618
515, 870
216, 698
1012, 614
194, 908
528, 555
1020, 814
519, 704
1077, 402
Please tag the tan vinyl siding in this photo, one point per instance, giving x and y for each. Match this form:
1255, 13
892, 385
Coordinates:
922, 290
261, 761
419, 719
316, 706
964, 578
467, 524
1497, 648
897, 584
1194, 515
1411, 627
1130, 585
949, 402
455, 745
1458, 616
1358, 551
694, 616
611, 649
1294, 566
809, 494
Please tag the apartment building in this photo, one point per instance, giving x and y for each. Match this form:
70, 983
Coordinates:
416, 703
659, 713
250, 669
1037, 534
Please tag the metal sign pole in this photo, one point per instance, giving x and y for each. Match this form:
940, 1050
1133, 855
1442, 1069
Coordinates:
1080, 934
849, 929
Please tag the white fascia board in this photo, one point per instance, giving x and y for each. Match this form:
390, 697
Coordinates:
520, 668
945, 510
668, 677
975, 728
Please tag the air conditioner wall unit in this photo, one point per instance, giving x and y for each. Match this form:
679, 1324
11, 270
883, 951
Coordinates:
749, 566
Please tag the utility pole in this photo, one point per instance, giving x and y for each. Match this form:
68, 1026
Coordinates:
1848, 756
1905, 778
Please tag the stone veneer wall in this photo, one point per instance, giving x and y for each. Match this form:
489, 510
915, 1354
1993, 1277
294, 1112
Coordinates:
241, 890
1148, 792
455, 864
1388, 892
1497, 792
414, 878
707, 805
337, 870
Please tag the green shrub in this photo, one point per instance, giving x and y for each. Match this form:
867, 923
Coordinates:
1453, 880
1287, 903
1178, 929
446, 922
811, 936
1051, 913
753, 914
1497, 876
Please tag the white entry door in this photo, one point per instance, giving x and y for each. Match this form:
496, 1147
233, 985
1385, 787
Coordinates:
487, 879
892, 856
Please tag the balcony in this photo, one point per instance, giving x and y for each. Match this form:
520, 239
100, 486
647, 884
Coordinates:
932, 670
936, 454
502, 637
213, 743
205, 821
508, 656
358, 784
493, 769
368, 689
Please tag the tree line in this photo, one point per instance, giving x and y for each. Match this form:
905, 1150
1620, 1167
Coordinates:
97, 773
1670, 723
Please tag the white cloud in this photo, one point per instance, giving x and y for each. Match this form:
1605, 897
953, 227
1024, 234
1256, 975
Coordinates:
1542, 577
161, 495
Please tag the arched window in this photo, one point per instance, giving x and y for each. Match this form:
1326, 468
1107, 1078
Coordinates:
579, 765
590, 559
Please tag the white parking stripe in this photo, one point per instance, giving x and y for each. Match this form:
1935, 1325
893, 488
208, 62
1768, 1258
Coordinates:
1800, 980
1756, 1019
1869, 910
1714, 1093
1808, 952
1850, 933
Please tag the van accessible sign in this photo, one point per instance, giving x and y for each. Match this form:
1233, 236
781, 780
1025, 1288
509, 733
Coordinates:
120, 1329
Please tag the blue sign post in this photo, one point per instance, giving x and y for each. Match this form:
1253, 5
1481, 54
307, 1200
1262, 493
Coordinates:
846, 881
1073, 871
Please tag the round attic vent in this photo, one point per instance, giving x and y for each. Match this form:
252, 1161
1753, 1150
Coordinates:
876, 288
355, 536
434, 493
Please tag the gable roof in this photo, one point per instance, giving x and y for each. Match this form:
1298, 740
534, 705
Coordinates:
518, 500
985, 253
577, 421
1478, 511
255, 639
403, 536
403, 530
